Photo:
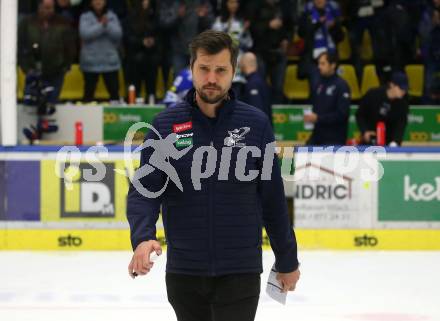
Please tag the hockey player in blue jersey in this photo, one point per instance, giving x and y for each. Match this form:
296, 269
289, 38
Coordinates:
181, 85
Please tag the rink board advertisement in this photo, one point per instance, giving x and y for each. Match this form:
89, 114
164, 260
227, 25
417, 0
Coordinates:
410, 191
311, 239
423, 124
79, 200
335, 208
328, 196
117, 120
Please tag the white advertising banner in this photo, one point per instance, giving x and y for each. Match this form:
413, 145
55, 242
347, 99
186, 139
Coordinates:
333, 190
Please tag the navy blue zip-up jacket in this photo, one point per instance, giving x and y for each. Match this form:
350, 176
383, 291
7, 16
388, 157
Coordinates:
331, 102
217, 229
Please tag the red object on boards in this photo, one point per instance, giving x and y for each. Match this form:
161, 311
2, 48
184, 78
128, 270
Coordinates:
381, 133
78, 133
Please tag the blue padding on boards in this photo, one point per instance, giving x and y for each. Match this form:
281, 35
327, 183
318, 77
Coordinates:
22, 190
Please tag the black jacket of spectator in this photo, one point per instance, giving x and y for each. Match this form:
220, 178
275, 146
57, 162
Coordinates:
142, 45
266, 39
375, 106
190, 24
56, 45
137, 26
167, 12
331, 102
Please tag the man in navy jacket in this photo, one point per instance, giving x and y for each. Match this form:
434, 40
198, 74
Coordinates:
331, 104
256, 92
218, 182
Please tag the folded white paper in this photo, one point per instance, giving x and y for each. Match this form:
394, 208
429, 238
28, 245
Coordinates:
274, 288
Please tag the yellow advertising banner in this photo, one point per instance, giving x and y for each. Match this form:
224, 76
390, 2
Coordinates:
72, 196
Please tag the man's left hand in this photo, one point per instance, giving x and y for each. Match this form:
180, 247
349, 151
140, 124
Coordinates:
311, 118
288, 280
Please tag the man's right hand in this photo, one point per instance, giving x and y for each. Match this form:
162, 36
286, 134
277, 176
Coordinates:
140, 263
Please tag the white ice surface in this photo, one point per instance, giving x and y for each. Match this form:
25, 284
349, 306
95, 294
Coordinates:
334, 286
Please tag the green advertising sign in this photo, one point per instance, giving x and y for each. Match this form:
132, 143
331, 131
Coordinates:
117, 120
410, 191
423, 122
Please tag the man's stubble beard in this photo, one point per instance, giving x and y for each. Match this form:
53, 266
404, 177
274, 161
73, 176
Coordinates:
212, 100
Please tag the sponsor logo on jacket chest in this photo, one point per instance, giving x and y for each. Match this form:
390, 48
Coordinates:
185, 139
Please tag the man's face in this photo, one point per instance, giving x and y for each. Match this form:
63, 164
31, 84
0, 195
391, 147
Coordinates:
325, 68
46, 9
212, 75
396, 91
320, 4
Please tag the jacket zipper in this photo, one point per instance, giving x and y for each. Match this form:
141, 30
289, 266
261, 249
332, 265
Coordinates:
211, 219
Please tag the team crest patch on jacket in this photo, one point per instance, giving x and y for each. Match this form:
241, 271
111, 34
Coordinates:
236, 136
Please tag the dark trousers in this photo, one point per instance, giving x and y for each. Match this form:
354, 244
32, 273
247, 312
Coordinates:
376, 30
111, 82
55, 81
273, 65
222, 298
142, 68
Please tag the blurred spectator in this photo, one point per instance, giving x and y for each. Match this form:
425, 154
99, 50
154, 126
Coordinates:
387, 104
364, 16
232, 22
331, 104
430, 47
46, 47
193, 17
321, 29
142, 45
66, 9
256, 91
71, 10
414, 10
272, 30
181, 85
100, 33
167, 13
400, 40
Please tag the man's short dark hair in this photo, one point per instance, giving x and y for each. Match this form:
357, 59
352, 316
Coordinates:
331, 57
212, 42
